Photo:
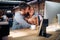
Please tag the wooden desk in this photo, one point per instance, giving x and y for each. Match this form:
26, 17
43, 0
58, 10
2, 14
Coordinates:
22, 33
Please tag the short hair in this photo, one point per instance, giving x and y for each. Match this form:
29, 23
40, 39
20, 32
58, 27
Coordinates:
23, 6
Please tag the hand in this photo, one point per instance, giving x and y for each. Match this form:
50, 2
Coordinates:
30, 20
33, 21
26, 19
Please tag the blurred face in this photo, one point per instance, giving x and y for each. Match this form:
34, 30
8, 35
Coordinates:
31, 11
27, 10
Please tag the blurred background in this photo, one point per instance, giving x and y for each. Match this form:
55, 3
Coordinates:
6, 6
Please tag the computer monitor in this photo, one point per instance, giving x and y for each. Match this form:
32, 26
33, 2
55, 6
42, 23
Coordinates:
51, 10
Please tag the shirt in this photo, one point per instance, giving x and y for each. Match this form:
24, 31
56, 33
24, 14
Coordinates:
19, 22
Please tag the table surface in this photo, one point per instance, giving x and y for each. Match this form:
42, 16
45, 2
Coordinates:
22, 32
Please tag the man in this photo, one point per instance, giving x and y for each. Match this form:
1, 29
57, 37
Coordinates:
9, 17
18, 21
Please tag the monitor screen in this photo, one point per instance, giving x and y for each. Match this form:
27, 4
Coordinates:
51, 10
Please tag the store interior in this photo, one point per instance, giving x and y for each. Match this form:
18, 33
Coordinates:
48, 29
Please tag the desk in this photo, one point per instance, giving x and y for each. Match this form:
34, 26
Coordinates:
22, 33
4, 23
4, 29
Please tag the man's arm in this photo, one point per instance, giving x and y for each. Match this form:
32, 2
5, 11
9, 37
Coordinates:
21, 21
32, 20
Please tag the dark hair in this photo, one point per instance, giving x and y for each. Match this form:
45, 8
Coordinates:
1, 12
23, 6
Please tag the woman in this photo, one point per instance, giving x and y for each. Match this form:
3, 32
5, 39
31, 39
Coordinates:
32, 18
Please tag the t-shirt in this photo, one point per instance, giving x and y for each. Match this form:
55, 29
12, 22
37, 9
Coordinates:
9, 15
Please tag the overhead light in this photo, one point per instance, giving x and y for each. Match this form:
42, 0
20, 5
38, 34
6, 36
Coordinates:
8, 11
